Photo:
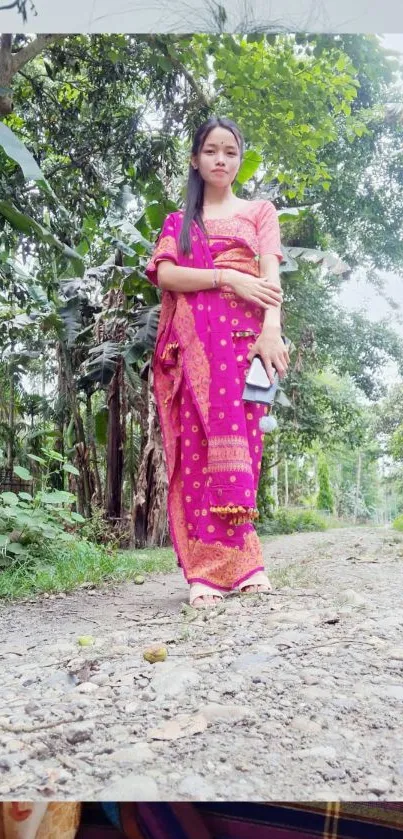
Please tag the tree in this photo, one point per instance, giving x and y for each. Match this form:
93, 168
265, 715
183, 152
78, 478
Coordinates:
325, 497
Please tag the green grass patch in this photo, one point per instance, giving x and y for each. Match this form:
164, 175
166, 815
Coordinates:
64, 567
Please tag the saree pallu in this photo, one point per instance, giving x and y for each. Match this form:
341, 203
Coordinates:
227, 820
212, 441
327, 820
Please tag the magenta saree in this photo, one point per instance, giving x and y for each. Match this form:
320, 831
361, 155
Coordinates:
211, 438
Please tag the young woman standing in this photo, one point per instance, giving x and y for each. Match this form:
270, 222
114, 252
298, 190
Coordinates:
217, 263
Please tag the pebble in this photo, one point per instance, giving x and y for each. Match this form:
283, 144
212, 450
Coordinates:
229, 713
379, 786
80, 732
131, 788
196, 788
305, 726
134, 754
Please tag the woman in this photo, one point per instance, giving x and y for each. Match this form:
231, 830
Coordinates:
217, 263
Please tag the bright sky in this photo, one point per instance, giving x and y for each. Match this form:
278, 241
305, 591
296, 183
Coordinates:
193, 15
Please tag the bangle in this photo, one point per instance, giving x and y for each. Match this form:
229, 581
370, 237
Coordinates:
218, 278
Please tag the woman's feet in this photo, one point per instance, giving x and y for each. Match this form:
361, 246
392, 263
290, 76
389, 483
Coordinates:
204, 597
258, 583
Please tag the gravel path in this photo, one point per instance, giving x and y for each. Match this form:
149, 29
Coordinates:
296, 695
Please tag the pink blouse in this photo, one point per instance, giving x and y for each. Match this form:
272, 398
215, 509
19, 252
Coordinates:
256, 223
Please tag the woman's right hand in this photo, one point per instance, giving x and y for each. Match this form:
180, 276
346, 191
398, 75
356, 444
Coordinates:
258, 290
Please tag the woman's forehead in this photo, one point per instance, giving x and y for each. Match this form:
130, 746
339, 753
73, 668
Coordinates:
220, 137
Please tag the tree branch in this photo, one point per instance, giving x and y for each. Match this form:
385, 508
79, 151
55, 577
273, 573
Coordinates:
177, 64
32, 50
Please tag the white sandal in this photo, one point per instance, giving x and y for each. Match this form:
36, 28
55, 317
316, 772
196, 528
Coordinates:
202, 590
258, 579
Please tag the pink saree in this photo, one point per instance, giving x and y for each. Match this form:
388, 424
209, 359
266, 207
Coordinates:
212, 441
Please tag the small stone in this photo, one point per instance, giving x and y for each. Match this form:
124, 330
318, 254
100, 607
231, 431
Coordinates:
171, 680
131, 788
99, 679
395, 654
354, 598
80, 732
87, 687
196, 788
379, 786
305, 726
131, 707
325, 752
134, 754
228, 713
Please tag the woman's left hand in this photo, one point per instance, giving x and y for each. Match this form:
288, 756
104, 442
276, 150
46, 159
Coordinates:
273, 352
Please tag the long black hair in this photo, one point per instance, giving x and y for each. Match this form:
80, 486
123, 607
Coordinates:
195, 185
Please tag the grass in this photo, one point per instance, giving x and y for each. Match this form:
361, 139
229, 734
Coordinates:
67, 566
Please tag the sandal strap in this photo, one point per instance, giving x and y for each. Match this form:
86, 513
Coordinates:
260, 578
202, 590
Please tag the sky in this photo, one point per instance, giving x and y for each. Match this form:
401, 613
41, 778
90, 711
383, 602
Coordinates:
191, 15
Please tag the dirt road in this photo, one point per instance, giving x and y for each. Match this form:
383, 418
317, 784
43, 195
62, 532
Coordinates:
295, 695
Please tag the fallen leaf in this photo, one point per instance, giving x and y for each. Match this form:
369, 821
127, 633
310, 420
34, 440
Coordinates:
183, 726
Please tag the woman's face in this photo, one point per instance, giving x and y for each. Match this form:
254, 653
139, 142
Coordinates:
219, 158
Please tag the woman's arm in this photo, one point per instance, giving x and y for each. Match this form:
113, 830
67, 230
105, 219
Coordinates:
173, 277
176, 278
269, 267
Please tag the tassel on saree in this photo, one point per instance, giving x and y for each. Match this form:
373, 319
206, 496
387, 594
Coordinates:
243, 514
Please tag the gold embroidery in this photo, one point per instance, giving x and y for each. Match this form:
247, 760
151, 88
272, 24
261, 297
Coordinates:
165, 245
195, 358
224, 565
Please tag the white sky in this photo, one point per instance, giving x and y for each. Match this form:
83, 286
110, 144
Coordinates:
192, 15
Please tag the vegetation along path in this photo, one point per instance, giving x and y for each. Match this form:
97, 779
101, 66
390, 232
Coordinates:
292, 695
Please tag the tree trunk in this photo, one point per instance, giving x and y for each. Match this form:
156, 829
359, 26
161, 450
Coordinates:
358, 487
93, 449
11, 63
149, 514
286, 491
114, 453
6, 74
274, 476
11, 423
60, 413
131, 460
82, 453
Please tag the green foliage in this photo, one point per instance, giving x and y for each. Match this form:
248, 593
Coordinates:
325, 496
294, 521
398, 524
35, 520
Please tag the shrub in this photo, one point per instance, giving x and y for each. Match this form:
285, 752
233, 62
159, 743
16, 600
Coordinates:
293, 521
398, 524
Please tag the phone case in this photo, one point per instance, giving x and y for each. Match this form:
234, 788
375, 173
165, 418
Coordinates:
257, 384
